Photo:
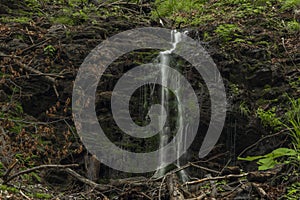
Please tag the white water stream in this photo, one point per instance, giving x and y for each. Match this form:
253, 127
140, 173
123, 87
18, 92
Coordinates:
165, 135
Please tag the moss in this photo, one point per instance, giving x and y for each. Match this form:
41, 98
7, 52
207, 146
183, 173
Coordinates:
293, 26
21, 20
289, 4
62, 20
41, 196
10, 189
228, 31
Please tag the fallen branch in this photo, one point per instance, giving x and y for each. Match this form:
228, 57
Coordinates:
215, 178
190, 164
204, 168
214, 190
24, 195
35, 71
202, 196
262, 193
96, 186
34, 45
172, 184
6, 174
47, 78
261, 139
8, 179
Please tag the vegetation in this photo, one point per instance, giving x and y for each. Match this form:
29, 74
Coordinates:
194, 13
292, 123
255, 45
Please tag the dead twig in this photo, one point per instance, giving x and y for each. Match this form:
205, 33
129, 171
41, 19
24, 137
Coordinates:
9, 169
202, 196
204, 168
47, 78
214, 190
8, 179
96, 186
172, 185
35, 45
143, 194
261, 139
215, 178
35, 71
262, 193
24, 195
289, 55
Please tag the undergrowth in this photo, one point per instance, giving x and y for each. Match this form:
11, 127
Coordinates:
194, 13
290, 121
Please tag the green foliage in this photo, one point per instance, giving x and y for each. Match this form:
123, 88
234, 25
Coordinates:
269, 160
71, 16
165, 8
33, 4
295, 84
21, 20
289, 4
293, 191
26, 159
249, 9
49, 50
292, 123
80, 16
36, 176
179, 11
193, 12
228, 31
268, 118
293, 26
62, 20
14, 190
292, 118
41, 196
244, 110
234, 89
8, 188
1, 169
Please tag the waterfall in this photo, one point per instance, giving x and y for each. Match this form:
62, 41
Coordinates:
165, 135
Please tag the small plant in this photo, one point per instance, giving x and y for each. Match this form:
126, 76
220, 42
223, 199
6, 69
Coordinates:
292, 123
35, 4
66, 20
235, 89
21, 20
228, 31
49, 50
293, 191
293, 26
42, 196
1, 169
269, 160
244, 110
178, 11
80, 16
268, 118
289, 4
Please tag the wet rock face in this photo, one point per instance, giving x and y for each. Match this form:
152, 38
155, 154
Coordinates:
3, 95
260, 78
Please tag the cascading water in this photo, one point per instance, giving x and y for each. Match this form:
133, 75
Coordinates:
166, 134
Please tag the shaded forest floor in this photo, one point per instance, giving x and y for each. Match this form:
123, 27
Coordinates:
255, 46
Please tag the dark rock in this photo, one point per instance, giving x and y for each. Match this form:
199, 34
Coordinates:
260, 78
3, 96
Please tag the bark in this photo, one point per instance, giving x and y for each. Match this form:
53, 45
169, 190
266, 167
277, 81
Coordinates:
172, 184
